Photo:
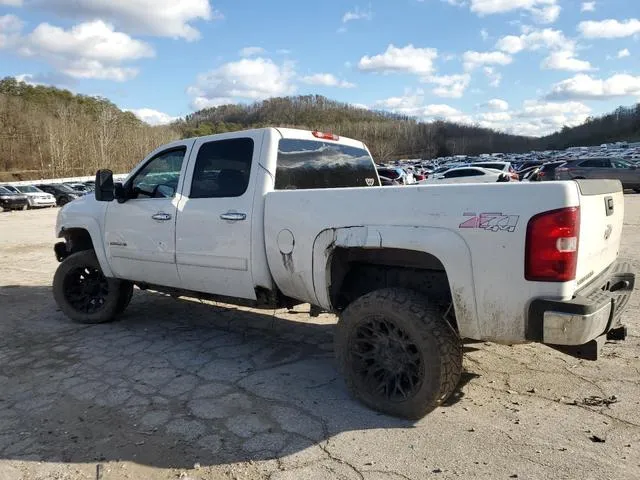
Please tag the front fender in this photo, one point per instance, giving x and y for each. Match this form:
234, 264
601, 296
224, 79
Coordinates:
449, 247
86, 215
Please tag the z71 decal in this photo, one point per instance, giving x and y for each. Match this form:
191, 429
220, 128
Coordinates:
494, 222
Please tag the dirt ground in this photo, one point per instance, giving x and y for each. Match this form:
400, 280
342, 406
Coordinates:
196, 390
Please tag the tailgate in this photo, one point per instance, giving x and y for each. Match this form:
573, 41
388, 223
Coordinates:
601, 220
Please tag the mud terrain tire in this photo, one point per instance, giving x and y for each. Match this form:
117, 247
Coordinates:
397, 353
82, 291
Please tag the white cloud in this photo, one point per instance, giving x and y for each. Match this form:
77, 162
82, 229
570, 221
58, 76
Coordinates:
11, 3
88, 50
495, 78
538, 109
408, 102
167, 18
588, 7
283, 51
326, 80
357, 14
251, 51
407, 59
473, 59
610, 28
449, 86
624, 53
543, 11
151, 116
534, 40
484, 34
547, 14
497, 105
566, 60
10, 28
246, 79
584, 87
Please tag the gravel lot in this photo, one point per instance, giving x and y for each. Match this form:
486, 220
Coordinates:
189, 389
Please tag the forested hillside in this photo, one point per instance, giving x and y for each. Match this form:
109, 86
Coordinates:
47, 132
387, 135
621, 125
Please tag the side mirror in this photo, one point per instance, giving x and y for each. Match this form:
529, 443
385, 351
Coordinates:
104, 186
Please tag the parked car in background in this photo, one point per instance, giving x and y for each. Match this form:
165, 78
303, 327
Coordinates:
468, 175
62, 193
601, 168
505, 167
546, 172
78, 187
10, 200
397, 174
387, 182
36, 197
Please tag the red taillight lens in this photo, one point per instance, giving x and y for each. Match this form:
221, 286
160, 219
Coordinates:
552, 246
325, 136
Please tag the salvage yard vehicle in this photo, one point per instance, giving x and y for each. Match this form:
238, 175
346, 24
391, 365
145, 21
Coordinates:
36, 197
468, 175
275, 217
10, 200
62, 193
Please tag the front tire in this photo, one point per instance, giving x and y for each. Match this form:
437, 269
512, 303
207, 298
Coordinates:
397, 353
82, 291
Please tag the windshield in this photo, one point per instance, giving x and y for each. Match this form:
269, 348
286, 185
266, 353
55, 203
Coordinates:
28, 189
304, 164
64, 188
4, 190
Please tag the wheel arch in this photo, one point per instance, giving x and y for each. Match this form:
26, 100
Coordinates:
85, 236
433, 261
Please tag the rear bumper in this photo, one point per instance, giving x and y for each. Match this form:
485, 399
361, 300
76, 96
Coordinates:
591, 314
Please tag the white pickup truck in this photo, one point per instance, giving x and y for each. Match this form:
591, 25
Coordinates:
275, 217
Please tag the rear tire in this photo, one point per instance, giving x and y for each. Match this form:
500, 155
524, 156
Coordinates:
397, 353
82, 291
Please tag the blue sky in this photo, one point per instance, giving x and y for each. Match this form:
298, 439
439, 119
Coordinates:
524, 66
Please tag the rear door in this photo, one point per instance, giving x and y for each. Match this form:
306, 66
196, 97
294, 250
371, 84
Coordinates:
601, 219
213, 231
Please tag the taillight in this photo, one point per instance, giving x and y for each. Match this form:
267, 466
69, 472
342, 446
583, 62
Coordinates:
551, 253
325, 136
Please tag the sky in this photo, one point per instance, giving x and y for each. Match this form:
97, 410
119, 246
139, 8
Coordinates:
521, 66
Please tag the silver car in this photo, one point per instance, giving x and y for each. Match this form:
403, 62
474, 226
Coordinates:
612, 168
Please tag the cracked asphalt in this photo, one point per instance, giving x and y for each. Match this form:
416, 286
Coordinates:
181, 388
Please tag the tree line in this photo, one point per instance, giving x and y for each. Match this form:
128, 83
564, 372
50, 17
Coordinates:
46, 132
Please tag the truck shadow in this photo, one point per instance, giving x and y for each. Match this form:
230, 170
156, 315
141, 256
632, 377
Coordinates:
173, 383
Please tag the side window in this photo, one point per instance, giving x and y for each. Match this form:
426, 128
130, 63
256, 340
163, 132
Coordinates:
222, 168
620, 164
159, 177
595, 163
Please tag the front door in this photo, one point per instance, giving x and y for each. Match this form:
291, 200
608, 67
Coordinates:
140, 232
214, 226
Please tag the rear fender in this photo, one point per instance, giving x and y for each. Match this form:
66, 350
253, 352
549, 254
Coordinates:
447, 246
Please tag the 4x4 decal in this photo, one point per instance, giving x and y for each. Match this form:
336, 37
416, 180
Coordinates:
494, 222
